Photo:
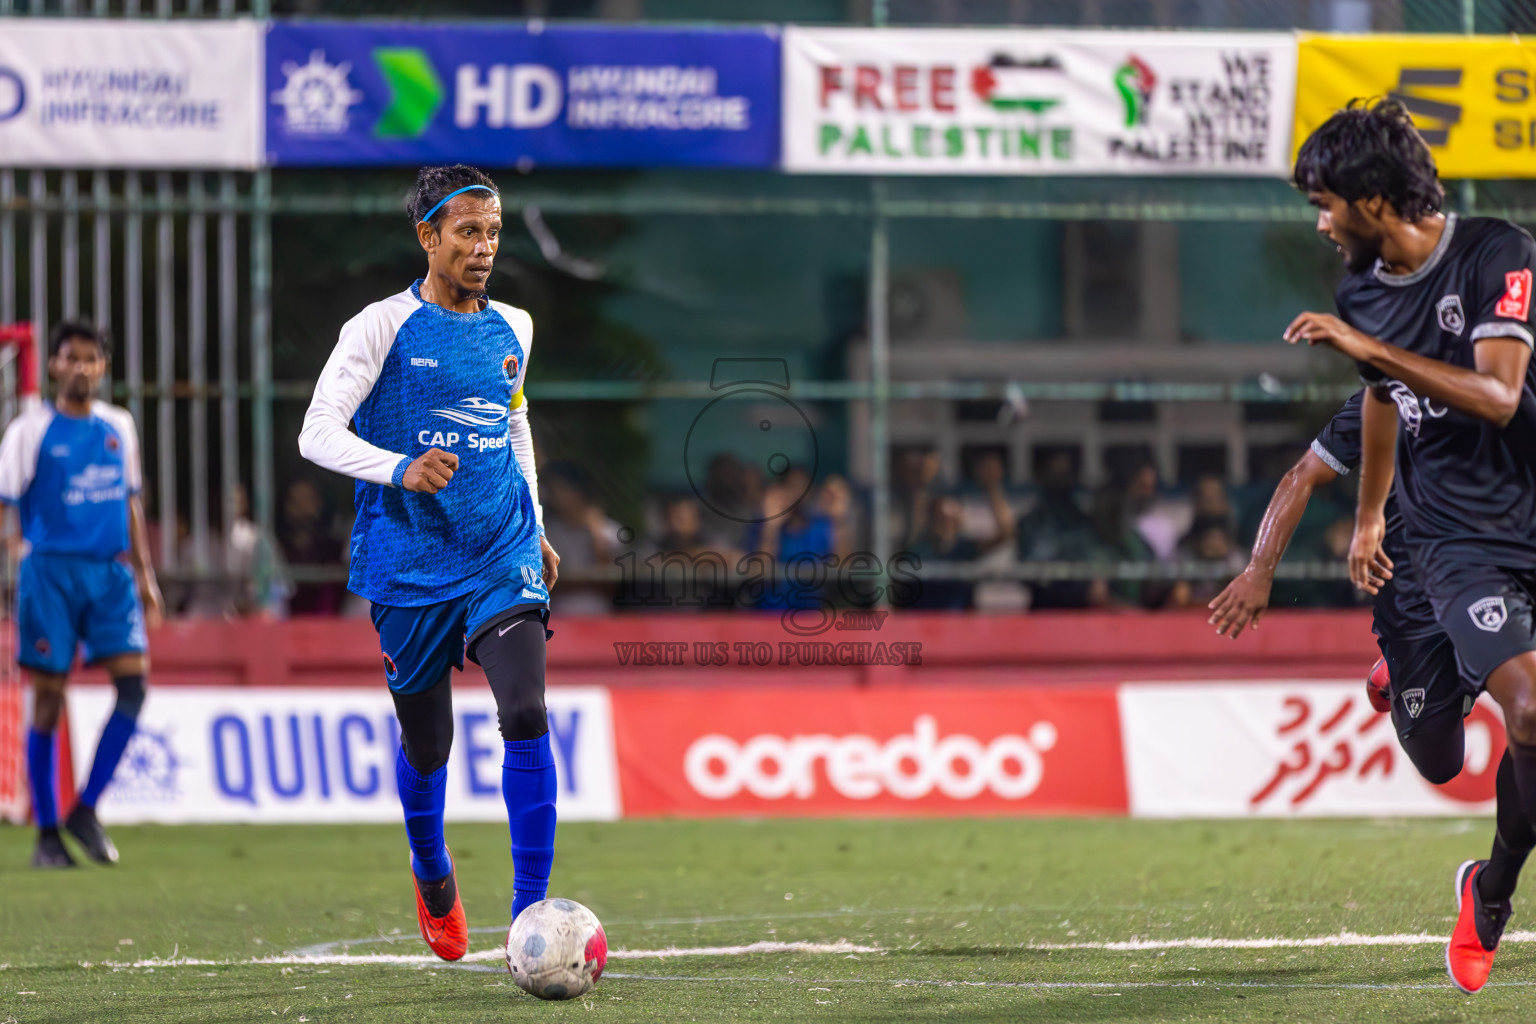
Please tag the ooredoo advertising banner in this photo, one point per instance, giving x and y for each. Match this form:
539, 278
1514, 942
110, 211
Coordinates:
521, 95
1288, 750
97, 93
268, 755
1471, 97
929, 750
939, 101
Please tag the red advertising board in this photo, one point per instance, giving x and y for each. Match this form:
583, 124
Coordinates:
859, 751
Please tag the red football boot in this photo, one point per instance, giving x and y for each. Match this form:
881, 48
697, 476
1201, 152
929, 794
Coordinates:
1469, 954
1378, 688
447, 935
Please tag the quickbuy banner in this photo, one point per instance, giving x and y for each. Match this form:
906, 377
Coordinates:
500, 96
325, 754
1471, 96
936, 101
98, 93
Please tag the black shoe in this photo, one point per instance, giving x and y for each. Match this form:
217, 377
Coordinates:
1490, 917
50, 852
83, 824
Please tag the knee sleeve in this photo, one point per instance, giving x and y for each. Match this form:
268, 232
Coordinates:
1437, 745
512, 654
130, 695
426, 726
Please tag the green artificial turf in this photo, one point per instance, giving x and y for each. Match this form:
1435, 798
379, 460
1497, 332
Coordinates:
953, 907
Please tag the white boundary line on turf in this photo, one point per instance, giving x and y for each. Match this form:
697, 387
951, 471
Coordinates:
1070, 985
399, 959
1341, 939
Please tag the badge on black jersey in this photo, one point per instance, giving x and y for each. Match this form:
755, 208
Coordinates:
1452, 319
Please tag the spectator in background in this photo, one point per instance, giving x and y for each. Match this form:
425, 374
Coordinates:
735, 494
1114, 539
1056, 529
835, 502
944, 540
917, 470
1212, 505
583, 535
1210, 540
1160, 523
253, 580
794, 532
690, 567
307, 538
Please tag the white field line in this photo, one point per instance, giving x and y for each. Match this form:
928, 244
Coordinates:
393, 959
1341, 939
1115, 986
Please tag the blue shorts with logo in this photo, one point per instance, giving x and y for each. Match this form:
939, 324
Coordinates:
420, 644
63, 601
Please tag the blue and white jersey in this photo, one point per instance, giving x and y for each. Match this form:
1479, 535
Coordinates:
412, 375
71, 477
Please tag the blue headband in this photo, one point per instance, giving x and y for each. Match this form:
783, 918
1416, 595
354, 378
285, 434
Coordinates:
450, 195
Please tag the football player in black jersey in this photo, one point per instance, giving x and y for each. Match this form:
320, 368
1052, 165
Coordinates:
1435, 311
1417, 679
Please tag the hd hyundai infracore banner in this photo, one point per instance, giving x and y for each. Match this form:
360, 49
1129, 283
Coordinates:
981, 101
502, 95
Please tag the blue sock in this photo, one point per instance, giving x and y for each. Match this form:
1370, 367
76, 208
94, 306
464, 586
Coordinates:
40, 775
528, 787
422, 797
109, 751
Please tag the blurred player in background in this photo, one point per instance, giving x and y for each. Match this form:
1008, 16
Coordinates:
1435, 311
449, 541
72, 470
1416, 679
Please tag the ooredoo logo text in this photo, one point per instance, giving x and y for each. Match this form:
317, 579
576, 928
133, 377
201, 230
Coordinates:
908, 766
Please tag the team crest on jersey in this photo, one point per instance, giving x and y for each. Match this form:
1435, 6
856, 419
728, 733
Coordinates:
509, 367
1413, 700
1451, 317
112, 444
1489, 614
1516, 303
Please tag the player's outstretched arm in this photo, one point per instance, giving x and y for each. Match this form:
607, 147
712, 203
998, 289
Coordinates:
1369, 566
1490, 392
1245, 599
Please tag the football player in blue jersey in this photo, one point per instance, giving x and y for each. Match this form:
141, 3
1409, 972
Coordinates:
449, 544
72, 470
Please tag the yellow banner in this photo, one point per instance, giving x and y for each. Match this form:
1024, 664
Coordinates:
1473, 97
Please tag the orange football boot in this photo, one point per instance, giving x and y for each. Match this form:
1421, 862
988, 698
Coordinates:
1469, 954
448, 935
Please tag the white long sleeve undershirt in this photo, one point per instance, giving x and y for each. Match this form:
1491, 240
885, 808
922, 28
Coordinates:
348, 379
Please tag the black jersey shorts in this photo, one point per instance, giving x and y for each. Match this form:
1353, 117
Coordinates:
1487, 613
1426, 682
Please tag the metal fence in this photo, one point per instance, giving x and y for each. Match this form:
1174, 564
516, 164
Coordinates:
179, 265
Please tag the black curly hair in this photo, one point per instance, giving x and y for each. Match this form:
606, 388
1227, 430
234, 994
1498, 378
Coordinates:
1371, 149
71, 330
433, 183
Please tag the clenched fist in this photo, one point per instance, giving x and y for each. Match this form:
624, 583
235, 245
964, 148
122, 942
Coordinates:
430, 472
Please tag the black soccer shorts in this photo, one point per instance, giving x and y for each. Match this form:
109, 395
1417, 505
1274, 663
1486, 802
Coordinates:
1487, 614
1427, 684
